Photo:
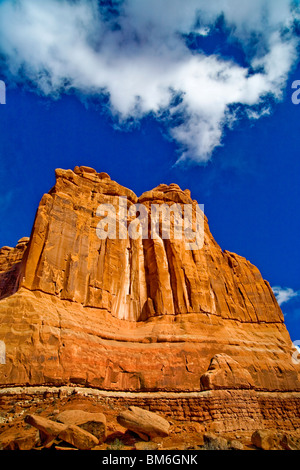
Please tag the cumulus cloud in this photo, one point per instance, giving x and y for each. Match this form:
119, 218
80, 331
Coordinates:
284, 294
137, 54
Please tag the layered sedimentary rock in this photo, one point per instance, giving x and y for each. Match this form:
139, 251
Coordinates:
135, 279
10, 265
133, 313
225, 373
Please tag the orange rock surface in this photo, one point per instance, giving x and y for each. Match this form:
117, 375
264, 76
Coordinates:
134, 314
10, 264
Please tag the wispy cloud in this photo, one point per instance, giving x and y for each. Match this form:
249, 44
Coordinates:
135, 52
284, 294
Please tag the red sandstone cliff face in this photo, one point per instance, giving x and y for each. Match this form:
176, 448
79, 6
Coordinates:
10, 265
135, 279
129, 314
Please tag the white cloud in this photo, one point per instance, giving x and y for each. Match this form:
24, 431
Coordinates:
284, 294
144, 62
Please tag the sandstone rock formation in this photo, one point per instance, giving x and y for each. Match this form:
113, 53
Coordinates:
94, 423
10, 263
133, 314
135, 279
271, 440
69, 433
144, 423
22, 439
225, 373
214, 442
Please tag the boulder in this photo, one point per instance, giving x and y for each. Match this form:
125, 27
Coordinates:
50, 429
266, 439
94, 423
236, 445
214, 442
19, 439
79, 438
290, 442
144, 423
72, 434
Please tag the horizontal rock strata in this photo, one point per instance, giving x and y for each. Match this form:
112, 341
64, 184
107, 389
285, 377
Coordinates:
215, 410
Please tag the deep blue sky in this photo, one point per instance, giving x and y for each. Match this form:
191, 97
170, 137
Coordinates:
250, 187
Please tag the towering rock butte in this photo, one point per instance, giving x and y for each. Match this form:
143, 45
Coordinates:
135, 315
